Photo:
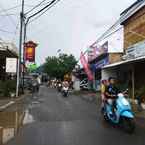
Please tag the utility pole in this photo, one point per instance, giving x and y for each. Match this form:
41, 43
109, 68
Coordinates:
24, 25
20, 49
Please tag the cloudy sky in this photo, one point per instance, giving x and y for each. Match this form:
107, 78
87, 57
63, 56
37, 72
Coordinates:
71, 25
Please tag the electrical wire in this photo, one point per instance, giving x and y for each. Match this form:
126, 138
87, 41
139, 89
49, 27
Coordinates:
10, 18
53, 1
15, 33
45, 11
35, 7
12, 8
5, 31
51, 4
12, 14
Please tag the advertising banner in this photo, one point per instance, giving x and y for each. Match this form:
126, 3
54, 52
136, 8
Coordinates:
115, 41
102, 63
29, 50
84, 62
97, 50
11, 65
112, 43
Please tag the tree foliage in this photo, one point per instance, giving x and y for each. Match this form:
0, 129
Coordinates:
59, 66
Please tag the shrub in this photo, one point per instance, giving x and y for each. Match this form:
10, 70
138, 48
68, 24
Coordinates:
7, 87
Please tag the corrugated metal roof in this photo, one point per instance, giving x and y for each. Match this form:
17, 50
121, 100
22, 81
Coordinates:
131, 10
8, 46
124, 62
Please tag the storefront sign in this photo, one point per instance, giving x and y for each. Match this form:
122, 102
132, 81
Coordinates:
96, 51
29, 49
136, 50
11, 65
115, 40
102, 63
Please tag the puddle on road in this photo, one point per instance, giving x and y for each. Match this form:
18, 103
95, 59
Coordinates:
28, 118
11, 122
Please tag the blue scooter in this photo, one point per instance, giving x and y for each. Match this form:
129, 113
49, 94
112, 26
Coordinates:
122, 114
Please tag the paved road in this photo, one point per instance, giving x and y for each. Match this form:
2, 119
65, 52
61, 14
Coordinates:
51, 119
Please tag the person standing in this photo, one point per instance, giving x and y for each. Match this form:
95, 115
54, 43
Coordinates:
103, 89
38, 83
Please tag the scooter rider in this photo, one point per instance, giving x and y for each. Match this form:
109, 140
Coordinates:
65, 83
111, 92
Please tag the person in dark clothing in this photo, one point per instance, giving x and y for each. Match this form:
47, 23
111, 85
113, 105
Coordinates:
111, 92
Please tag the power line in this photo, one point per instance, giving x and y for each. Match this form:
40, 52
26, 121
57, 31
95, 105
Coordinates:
5, 31
51, 4
5, 15
12, 8
45, 10
10, 18
35, 6
33, 15
15, 33
53, 1
108, 31
28, 5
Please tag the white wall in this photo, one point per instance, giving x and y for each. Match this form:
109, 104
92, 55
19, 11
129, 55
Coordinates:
106, 73
115, 41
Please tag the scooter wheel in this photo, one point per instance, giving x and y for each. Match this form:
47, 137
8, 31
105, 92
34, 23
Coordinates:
105, 117
128, 125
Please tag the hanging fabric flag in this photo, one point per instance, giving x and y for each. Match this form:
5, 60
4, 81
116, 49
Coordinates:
84, 62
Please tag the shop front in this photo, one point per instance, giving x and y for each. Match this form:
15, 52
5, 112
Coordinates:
130, 71
5, 53
97, 66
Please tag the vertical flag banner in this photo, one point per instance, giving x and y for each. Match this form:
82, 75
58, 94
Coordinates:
84, 62
29, 51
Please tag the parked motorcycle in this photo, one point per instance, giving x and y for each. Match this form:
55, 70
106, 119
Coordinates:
122, 114
65, 91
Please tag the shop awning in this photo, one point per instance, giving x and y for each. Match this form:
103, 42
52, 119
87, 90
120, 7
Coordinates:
8, 49
125, 62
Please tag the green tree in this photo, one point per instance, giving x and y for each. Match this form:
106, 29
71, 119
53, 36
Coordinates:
59, 66
32, 67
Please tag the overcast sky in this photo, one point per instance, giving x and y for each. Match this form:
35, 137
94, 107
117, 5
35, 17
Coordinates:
71, 25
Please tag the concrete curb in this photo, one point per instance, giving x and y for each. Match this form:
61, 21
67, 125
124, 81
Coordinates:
6, 105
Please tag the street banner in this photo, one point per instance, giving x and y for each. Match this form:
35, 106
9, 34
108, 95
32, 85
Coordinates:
11, 65
97, 50
84, 62
29, 51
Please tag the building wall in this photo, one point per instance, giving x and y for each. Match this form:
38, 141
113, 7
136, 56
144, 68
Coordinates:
114, 57
106, 73
139, 74
134, 28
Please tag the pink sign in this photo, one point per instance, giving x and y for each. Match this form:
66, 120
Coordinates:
86, 67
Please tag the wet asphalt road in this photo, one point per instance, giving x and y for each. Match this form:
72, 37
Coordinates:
51, 119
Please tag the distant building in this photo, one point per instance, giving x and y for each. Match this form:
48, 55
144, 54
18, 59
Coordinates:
6, 50
106, 50
131, 68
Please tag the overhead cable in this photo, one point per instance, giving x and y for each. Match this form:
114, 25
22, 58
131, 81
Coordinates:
12, 8
10, 18
35, 6
45, 11
5, 31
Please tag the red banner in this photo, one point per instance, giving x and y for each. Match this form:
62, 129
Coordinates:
84, 62
29, 50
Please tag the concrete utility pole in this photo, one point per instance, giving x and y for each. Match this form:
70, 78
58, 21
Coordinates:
20, 49
24, 24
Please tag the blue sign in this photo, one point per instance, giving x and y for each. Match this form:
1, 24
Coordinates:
102, 63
